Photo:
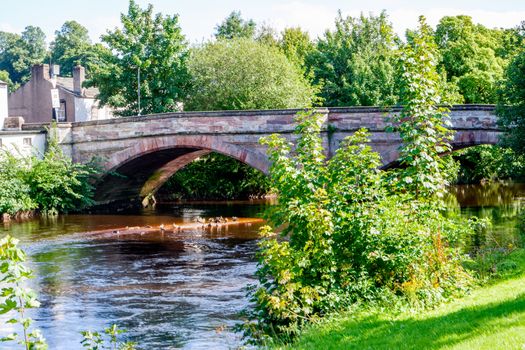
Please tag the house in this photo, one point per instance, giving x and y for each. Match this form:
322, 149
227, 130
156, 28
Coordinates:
18, 142
33, 100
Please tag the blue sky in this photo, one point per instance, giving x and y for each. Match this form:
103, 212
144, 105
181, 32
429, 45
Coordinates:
199, 17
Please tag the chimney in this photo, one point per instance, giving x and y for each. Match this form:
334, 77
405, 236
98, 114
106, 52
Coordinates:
40, 72
79, 75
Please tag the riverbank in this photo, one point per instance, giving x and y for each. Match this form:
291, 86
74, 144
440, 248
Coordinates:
490, 317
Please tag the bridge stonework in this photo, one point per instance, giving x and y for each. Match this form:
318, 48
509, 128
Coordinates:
147, 150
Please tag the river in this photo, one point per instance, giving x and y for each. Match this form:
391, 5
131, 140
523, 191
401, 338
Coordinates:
176, 290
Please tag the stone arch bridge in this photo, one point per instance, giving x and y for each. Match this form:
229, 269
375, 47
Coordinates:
147, 150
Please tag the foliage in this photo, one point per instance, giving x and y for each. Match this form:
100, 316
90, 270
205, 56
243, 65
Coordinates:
355, 63
473, 56
15, 192
346, 238
489, 163
296, 45
228, 75
73, 47
347, 234
244, 74
15, 297
51, 184
511, 104
4, 76
422, 124
18, 53
58, 184
152, 46
234, 26
491, 317
216, 177
95, 340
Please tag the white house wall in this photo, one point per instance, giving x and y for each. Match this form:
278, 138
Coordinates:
23, 144
83, 107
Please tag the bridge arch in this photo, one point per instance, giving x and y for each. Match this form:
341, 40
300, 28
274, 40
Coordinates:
462, 139
136, 171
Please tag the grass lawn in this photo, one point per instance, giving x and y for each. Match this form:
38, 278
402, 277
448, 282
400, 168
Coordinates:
491, 317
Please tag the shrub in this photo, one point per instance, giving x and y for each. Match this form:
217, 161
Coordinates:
346, 237
15, 193
57, 184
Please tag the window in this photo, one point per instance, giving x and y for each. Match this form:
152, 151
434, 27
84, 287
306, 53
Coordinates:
59, 114
27, 141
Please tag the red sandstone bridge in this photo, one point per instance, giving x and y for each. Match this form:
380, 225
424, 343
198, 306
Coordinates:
147, 150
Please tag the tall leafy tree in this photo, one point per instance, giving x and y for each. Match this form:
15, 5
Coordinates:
18, 53
296, 45
245, 74
150, 46
234, 26
473, 56
511, 104
71, 47
355, 63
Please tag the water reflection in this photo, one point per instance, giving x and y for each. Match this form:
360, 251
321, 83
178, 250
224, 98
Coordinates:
500, 203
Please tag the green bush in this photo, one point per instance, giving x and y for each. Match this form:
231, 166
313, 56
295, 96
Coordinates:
57, 184
52, 184
346, 237
15, 193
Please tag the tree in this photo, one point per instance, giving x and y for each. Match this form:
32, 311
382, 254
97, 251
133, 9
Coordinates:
355, 63
152, 47
511, 104
18, 53
473, 56
422, 124
234, 26
71, 47
267, 35
296, 45
244, 74
4, 76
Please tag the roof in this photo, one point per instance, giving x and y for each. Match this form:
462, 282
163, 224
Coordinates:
67, 84
3, 82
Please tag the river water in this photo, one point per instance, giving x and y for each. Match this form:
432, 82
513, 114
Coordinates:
178, 290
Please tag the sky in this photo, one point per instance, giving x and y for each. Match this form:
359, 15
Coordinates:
198, 18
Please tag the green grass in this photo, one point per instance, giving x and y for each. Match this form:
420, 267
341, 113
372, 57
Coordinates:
491, 317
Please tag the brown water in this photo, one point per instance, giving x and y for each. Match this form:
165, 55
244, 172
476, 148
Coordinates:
177, 290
